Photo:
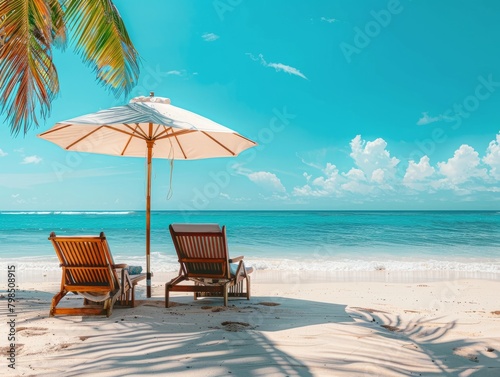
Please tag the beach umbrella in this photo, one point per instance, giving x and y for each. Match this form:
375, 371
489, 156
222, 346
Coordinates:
148, 127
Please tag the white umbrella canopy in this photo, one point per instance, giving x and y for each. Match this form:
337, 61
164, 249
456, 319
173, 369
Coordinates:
123, 130
148, 127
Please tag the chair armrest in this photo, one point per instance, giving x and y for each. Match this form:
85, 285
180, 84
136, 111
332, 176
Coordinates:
236, 259
125, 281
120, 265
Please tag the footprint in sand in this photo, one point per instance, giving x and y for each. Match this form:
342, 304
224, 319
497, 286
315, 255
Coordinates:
268, 303
466, 353
368, 310
61, 346
235, 326
6, 350
32, 331
391, 328
215, 309
411, 346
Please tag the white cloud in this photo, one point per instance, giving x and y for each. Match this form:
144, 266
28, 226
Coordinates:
14, 196
329, 20
371, 156
307, 190
462, 167
426, 119
174, 72
210, 37
355, 175
378, 176
492, 157
277, 66
287, 69
374, 175
356, 182
323, 186
330, 181
418, 174
267, 180
375, 168
2, 153
31, 160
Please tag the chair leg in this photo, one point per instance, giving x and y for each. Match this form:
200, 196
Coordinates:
248, 287
167, 292
55, 301
108, 307
226, 288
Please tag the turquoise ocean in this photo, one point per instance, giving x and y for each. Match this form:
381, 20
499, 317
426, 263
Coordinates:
326, 241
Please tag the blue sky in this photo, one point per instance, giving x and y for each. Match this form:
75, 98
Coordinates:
355, 105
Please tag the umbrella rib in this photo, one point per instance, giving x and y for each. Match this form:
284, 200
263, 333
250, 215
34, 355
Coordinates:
54, 130
156, 130
129, 139
164, 132
83, 137
179, 144
135, 131
133, 134
137, 127
175, 134
244, 138
218, 142
167, 136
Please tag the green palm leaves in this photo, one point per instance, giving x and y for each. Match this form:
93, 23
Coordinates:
29, 29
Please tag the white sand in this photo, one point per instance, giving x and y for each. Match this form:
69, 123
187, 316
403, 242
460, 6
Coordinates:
380, 325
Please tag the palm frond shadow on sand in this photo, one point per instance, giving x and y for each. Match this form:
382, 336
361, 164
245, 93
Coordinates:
198, 337
249, 338
416, 345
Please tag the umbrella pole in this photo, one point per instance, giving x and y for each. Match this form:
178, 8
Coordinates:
148, 218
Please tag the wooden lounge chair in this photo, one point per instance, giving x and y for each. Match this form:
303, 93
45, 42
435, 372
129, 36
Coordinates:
203, 257
89, 270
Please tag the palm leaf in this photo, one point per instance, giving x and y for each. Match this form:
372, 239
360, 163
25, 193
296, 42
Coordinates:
103, 42
58, 25
28, 78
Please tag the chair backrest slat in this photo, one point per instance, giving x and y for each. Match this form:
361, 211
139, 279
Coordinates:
86, 260
201, 241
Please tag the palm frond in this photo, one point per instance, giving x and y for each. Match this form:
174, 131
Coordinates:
103, 42
28, 78
58, 24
